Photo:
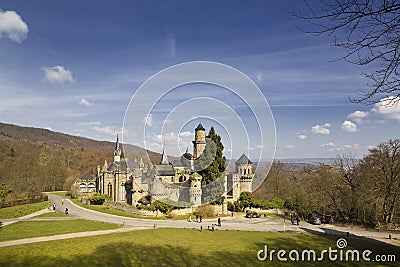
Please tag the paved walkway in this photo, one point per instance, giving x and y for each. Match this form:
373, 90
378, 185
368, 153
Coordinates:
270, 224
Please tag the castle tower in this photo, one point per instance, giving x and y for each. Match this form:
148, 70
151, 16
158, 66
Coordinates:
117, 151
245, 172
199, 142
195, 191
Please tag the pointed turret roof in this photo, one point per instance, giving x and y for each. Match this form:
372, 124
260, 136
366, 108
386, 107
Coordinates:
164, 158
200, 127
117, 143
243, 160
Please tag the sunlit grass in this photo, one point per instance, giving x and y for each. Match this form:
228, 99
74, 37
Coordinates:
45, 228
178, 247
22, 210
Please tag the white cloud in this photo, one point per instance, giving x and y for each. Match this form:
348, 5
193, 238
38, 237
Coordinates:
186, 134
321, 129
84, 102
12, 25
289, 146
106, 130
148, 120
352, 146
302, 136
57, 74
358, 116
388, 107
328, 145
260, 77
349, 126
90, 123
171, 45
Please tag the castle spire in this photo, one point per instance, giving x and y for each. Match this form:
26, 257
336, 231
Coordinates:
164, 158
117, 151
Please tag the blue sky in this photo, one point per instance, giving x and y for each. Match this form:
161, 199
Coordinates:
73, 67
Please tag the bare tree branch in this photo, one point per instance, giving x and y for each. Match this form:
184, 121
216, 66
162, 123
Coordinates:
369, 31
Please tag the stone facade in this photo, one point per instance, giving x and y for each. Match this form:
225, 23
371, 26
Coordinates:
129, 182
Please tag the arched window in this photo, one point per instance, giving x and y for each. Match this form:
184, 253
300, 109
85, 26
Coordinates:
109, 189
182, 179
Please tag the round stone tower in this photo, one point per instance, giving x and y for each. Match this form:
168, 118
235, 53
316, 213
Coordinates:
199, 142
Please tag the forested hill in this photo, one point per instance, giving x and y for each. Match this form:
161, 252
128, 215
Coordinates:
34, 160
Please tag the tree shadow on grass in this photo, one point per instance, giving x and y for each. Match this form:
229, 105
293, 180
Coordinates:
126, 254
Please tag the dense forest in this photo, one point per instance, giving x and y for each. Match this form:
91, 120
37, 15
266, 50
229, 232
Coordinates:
34, 160
353, 190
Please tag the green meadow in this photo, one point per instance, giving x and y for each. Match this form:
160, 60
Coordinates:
22, 210
179, 247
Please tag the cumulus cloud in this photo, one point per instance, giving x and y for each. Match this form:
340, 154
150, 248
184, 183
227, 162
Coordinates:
57, 74
106, 130
84, 102
302, 136
328, 145
358, 116
349, 126
148, 120
388, 107
321, 129
185, 134
12, 26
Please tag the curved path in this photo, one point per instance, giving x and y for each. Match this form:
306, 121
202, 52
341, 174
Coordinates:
271, 224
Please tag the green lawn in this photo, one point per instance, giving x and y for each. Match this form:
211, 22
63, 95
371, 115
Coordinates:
51, 215
22, 210
177, 247
45, 228
112, 211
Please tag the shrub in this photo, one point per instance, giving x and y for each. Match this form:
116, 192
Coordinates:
206, 211
98, 199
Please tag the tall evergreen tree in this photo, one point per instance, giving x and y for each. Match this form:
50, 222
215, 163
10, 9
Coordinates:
212, 166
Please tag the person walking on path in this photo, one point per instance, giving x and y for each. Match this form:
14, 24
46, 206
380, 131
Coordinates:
54, 206
219, 221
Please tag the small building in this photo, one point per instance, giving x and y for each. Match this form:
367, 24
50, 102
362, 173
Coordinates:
85, 184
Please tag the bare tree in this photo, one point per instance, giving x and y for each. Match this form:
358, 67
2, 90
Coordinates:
383, 163
370, 32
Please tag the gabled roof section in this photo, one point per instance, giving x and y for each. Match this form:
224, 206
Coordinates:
86, 177
165, 170
243, 160
121, 166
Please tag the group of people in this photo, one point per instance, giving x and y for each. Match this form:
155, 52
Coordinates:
212, 228
199, 218
62, 203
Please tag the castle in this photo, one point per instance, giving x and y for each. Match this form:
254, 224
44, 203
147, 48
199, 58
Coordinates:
129, 182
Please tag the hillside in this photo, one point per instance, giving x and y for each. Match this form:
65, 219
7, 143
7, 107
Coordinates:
35, 160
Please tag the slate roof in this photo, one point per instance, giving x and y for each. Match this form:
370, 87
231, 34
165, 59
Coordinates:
165, 170
122, 166
200, 127
243, 160
86, 177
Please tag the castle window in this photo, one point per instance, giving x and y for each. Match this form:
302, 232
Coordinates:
109, 189
182, 178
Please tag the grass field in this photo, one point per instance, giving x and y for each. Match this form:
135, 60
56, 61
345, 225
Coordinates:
51, 215
45, 228
178, 247
22, 210
112, 211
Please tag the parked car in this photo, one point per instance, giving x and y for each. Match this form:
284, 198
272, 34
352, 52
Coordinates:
325, 219
314, 220
252, 214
